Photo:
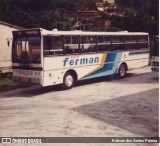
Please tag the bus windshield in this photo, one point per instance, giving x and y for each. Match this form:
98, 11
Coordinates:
155, 51
27, 50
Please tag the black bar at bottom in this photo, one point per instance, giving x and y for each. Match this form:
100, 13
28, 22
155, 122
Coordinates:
79, 139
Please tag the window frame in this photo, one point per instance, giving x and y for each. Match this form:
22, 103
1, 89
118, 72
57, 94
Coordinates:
108, 41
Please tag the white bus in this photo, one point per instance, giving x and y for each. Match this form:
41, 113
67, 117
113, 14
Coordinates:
64, 57
155, 55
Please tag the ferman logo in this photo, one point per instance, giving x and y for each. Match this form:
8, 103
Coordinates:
80, 61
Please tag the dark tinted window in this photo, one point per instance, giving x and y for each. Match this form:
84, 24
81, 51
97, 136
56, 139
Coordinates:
143, 41
118, 43
53, 45
131, 42
104, 43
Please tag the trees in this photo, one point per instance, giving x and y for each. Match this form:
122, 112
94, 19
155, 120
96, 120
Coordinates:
141, 15
36, 13
145, 19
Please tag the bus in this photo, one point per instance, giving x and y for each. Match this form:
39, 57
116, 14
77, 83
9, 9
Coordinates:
64, 57
155, 55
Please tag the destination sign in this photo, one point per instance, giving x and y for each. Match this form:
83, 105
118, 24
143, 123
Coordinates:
26, 33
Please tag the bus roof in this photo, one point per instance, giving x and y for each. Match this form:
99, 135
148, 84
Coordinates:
55, 32
77, 32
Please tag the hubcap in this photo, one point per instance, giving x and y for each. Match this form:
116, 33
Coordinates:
122, 71
69, 80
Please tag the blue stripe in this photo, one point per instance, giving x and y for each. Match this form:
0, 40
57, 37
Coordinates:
107, 68
138, 53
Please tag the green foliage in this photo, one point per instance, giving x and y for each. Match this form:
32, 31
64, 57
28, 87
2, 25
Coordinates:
145, 19
141, 15
38, 13
90, 5
7, 84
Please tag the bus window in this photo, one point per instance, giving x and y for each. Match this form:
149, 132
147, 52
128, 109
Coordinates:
155, 47
53, 45
19, 50
103, 43
57, 42
118, 42
88, 44
142, 38
142, 41
71, 44
27, 50
47, 43
131, 42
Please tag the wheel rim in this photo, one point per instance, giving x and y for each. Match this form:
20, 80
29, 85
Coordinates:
69, 80
122, 71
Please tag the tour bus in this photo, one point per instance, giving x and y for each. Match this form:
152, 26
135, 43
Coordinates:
64, 57
155, 55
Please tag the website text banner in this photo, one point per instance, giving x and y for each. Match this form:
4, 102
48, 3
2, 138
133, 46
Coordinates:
79, 140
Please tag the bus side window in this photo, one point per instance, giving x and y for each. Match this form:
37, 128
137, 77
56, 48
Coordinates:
101, 43
71, 44
53, 45
118, 43
143, 41
88, 44
131, 42
57, 42
47, 44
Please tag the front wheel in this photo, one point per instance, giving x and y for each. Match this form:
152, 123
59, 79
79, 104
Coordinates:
68, 81
122, 71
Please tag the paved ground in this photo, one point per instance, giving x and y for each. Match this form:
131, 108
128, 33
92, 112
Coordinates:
98, 107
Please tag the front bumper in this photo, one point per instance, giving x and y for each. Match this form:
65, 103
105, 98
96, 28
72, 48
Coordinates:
155, 69
28, 80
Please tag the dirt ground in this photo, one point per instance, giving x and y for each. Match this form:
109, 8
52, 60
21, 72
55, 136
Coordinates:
100, 107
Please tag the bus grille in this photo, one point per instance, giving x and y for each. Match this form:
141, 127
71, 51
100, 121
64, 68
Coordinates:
155, 63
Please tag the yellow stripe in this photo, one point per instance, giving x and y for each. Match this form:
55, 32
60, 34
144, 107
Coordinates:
100, 66
138, 51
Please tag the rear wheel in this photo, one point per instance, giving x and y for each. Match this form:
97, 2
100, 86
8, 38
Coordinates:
68, 81
122, 71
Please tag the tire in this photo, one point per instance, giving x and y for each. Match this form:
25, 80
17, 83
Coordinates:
122, 71
68, 81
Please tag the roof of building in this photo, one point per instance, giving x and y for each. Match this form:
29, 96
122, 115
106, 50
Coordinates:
11, 25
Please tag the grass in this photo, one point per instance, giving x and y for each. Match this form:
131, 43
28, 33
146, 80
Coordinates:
7, 84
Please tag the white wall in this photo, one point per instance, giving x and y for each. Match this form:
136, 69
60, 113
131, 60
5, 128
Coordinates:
5, 49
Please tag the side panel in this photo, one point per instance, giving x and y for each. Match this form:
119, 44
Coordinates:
141, 61
86, 66
108, 66
56, 67
91, 65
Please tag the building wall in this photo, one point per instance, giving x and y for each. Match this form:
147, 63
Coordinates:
110, 1
5, 45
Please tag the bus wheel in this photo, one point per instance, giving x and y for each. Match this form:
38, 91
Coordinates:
68, 81
122, 71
